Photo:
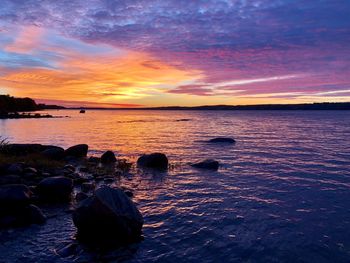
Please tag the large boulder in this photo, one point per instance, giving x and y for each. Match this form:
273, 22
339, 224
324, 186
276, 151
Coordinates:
77, 151
109, 216
54, 153
108, 157
207, 164
56, 189
153, 160
222, 140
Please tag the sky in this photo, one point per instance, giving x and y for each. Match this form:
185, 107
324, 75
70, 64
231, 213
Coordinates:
135, 53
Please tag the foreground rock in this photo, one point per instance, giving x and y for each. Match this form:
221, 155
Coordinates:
24, 149
55, 189
222, 140
108, 158
77, 151
54, 153
153, 160
207, 164
16, 209
108, 217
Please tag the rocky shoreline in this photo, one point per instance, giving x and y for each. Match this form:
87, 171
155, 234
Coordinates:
24, 115
35, 175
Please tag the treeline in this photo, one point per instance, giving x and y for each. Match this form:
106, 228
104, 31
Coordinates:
11, 104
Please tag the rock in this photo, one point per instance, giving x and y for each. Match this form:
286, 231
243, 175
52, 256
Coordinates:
69, 167
222, 140
108, 157
24, 149
54, 153
87, 187
10, 179
35, 215
77, 151
207, 164
14, 195
84, 169
30, 170
128, 193
57, 189
15, 168
153, 160
93, 159
80, 197
108, 216
22, 216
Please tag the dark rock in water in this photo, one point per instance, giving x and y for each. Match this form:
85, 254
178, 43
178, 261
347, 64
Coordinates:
54, 153
56, 189
77, 151
30, 170
128, 193
108, 157
93, 159
22, 216
222, 140
87, 187
10, 179
207, 164
15, 168
153, 160
108, 217
69, 168
35, 215
68, 250
80, 197
14, 195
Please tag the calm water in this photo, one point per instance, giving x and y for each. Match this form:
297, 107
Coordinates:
282, 193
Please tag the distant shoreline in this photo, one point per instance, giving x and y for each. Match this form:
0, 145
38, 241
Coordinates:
305, 106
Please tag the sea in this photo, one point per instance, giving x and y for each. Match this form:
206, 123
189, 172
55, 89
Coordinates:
281, 194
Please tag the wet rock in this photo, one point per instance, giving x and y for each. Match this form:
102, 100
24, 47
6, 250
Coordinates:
22, 216
10, 179
54, 153
207, 164
55, 189
222, 140
87, 187
128, 193
69, 167
93, 159
30, 170
84, 169
108, 157
14, 195
15, 168
153, 160
35, 215
67, 250
77, 151
108, 216
80, 197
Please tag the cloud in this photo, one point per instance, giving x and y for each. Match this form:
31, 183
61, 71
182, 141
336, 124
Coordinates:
215, 41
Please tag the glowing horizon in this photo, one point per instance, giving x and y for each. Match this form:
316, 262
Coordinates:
156, 53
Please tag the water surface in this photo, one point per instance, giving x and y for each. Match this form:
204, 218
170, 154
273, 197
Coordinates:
281, 195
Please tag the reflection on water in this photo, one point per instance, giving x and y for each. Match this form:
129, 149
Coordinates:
281, 194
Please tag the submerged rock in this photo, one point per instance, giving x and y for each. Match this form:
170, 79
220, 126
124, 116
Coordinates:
109, 216
222, 140
153, 160
207, 164
108, 157
77, 151
57, 189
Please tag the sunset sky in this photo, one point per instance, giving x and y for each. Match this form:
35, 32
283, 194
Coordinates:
129, 53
